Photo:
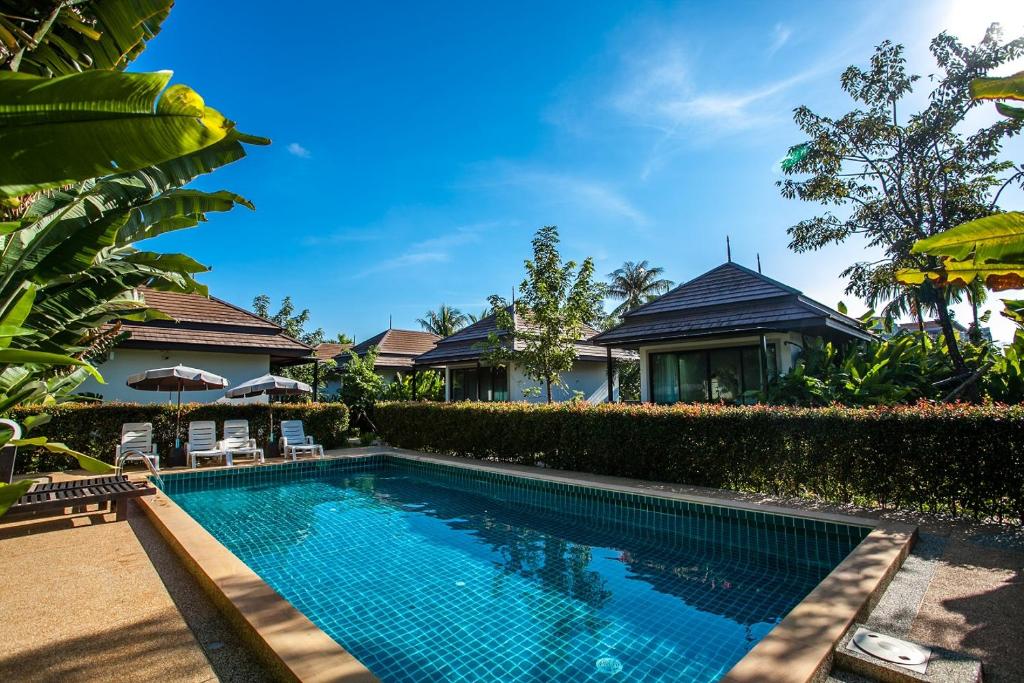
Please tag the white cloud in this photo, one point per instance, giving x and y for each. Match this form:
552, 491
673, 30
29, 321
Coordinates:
298, 150
432, 250
780, 36
561, 188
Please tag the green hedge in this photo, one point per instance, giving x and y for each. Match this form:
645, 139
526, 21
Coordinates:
946, 458
96, 428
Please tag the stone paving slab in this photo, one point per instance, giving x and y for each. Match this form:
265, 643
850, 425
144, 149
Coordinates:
88, 599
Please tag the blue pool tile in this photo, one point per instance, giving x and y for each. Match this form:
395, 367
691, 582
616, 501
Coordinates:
430, 572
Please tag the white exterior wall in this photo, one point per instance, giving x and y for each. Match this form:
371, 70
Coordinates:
587, 377
787, 347
590, 378
235, 367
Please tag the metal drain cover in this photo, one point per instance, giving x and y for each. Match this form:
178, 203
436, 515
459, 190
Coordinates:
890, 649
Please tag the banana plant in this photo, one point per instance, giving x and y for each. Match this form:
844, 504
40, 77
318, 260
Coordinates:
58, 131
56, 37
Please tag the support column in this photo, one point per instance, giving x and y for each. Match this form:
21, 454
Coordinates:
414, 382
763, 355
478, 380
611, 376
316, 380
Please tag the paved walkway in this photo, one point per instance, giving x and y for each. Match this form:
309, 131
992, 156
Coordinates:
84, 599
88, 599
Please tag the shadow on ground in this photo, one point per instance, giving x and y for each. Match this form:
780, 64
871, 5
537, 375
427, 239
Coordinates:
227, 653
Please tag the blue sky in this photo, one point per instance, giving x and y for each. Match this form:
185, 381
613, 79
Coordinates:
418, 146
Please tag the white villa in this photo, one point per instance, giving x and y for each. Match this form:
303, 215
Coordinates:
723, 334
468, 377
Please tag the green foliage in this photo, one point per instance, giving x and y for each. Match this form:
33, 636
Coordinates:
96, 428
884, 372
949, 458
635, 284
110, 152
629, 380
55, 37
361, 386
546, 321
429, 387
901, 178
445, 321
990, 249
294, 324
900, 370
85, 125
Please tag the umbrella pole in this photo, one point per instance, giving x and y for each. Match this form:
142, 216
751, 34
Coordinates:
177, 422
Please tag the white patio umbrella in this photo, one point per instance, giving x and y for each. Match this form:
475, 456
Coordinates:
271, 385
178, 378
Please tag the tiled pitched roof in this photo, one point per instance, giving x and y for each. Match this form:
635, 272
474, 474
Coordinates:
466, 344
202, 323
330, 350
395, 348
729, 299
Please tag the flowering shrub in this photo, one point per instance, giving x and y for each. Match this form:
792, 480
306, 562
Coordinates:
95, 428
951, 458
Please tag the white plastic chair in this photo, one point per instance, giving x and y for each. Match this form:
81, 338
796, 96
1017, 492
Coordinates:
137, 444
237, 441
202, 443
294, 440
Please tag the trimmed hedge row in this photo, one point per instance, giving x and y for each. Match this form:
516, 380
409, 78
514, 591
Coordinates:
948, 458
96, 428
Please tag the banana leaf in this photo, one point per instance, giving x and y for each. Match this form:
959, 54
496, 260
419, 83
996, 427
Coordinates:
60, 130
10, 493
999, 237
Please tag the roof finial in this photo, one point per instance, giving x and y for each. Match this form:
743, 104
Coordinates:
759, 262
389, 321
728, 250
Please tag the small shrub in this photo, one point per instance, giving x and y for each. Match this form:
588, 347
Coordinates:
95, 429
951, 458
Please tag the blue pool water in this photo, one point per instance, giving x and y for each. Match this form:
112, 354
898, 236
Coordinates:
428, 572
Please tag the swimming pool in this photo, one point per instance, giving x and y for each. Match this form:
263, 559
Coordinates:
433, 572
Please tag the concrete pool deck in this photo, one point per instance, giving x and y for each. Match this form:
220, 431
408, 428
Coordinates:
136, 585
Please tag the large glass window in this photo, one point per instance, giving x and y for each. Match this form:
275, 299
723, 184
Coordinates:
664, 378
493, 384
732, 375
692, 374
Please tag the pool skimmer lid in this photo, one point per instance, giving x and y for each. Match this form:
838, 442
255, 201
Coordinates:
892, 650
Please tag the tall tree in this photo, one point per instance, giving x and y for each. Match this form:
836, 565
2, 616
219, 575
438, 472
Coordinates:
294, 325
635, 284
445, 321
555, 301
477, 317
902, 177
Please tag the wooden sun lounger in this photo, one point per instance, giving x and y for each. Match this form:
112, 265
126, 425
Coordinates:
77, 493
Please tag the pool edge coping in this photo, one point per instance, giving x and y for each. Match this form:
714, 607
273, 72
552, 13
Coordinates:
283, 637
798, 649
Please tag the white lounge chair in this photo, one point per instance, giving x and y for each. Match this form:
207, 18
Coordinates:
202, 443
294, 440
237, 441
137, 444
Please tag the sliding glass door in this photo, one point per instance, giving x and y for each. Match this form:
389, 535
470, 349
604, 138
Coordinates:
492, 381
731, 375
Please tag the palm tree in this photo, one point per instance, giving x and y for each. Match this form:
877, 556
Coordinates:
636, 284
477, 317
445, 321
